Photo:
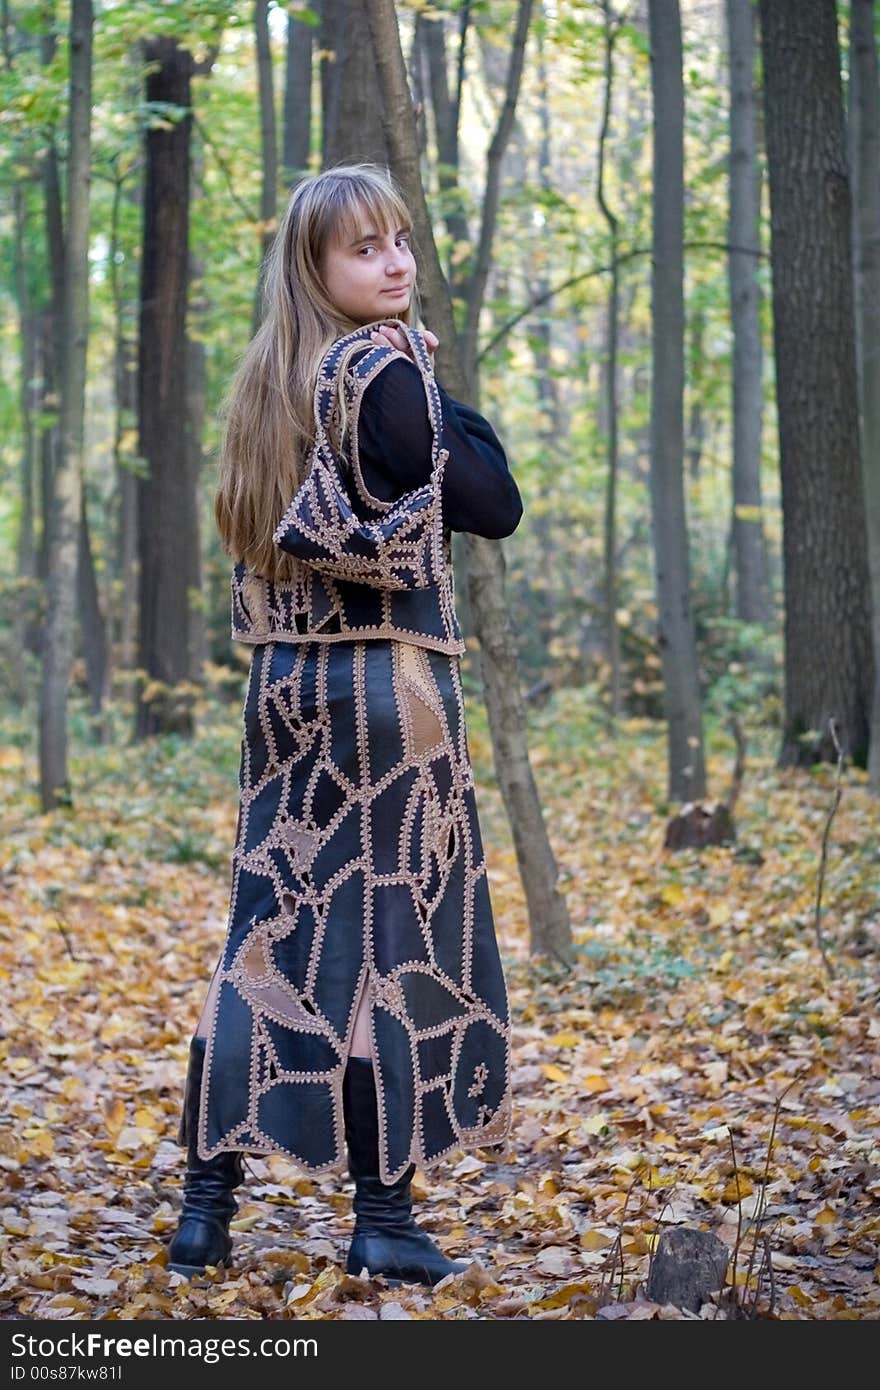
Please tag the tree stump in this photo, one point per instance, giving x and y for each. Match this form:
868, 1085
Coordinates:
688, 1266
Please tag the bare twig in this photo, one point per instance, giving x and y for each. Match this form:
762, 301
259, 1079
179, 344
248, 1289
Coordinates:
817, 921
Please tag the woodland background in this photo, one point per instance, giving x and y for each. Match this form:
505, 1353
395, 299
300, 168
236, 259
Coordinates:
650, 246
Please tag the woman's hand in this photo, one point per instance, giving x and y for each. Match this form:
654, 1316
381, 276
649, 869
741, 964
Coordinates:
391, 336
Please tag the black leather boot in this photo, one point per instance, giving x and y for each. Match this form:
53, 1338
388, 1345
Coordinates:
386, 1239
202, 1237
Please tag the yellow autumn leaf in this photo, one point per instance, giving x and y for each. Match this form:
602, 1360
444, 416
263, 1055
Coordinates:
560, 1297
826, 1217
114, 1115
554, 1073
737, 1188
594, 1083
565, 1040
797, 1293
720, 914
673, 894
41, 1144
595, 1240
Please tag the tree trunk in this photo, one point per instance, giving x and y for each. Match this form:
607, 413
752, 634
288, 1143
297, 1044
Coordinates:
50, 327
268, 150
350, 94
195, 421
93, 628
612, 632
550, 931
64, 516
297, 138
167, 529
865, 163
446, 111
828, 659
676, 638
753, 604
124, 605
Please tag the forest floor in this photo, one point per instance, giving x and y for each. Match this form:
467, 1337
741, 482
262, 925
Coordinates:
703, 1065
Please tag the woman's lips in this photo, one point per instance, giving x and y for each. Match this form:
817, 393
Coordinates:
397, 289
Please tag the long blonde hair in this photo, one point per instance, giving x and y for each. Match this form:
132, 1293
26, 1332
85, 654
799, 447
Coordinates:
268, 412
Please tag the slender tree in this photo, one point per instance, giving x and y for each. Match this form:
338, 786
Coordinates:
167, 509
752, 578
550, 929
676, 636
865, 165
297, 138
612, 632
268, 148
64, 516
828, 658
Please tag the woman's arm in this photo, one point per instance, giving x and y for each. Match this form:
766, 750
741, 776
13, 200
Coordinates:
479, 493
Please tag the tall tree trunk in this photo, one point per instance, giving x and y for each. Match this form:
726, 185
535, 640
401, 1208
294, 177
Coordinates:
753, 603
167, 529
612, 632
446, 109
50, 327
350, 95
64, 517
550, 930
25, 620
865, 164
297, 137
27, 556
676, 637
93, 628
476, 288
195, 421
829, 669
268, 150
124, 606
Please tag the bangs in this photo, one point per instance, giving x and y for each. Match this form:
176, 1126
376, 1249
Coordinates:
366, 205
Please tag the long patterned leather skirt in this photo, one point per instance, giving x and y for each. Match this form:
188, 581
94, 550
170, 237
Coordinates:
358, 866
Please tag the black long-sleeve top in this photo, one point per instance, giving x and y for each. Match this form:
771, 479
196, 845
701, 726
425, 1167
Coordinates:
478, 492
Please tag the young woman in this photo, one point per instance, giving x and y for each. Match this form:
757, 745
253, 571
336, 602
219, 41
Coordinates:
358, 1014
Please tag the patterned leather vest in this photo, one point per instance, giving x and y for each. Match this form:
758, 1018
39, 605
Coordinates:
384, 571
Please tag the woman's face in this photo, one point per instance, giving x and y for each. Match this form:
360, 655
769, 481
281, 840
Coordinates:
370, 275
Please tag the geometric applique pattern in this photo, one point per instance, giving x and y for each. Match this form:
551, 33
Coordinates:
361, 567
358, 868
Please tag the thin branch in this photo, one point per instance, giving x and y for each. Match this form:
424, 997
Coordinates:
817, 921
246, 212
621, 259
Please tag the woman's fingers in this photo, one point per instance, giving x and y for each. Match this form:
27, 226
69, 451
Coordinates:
390, 336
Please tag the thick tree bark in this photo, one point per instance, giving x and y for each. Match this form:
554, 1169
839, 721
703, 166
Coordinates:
350, 95
64, 517
167, 515
828, 659
865, 164
550, 930
676, 637
753, 603
297, 137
